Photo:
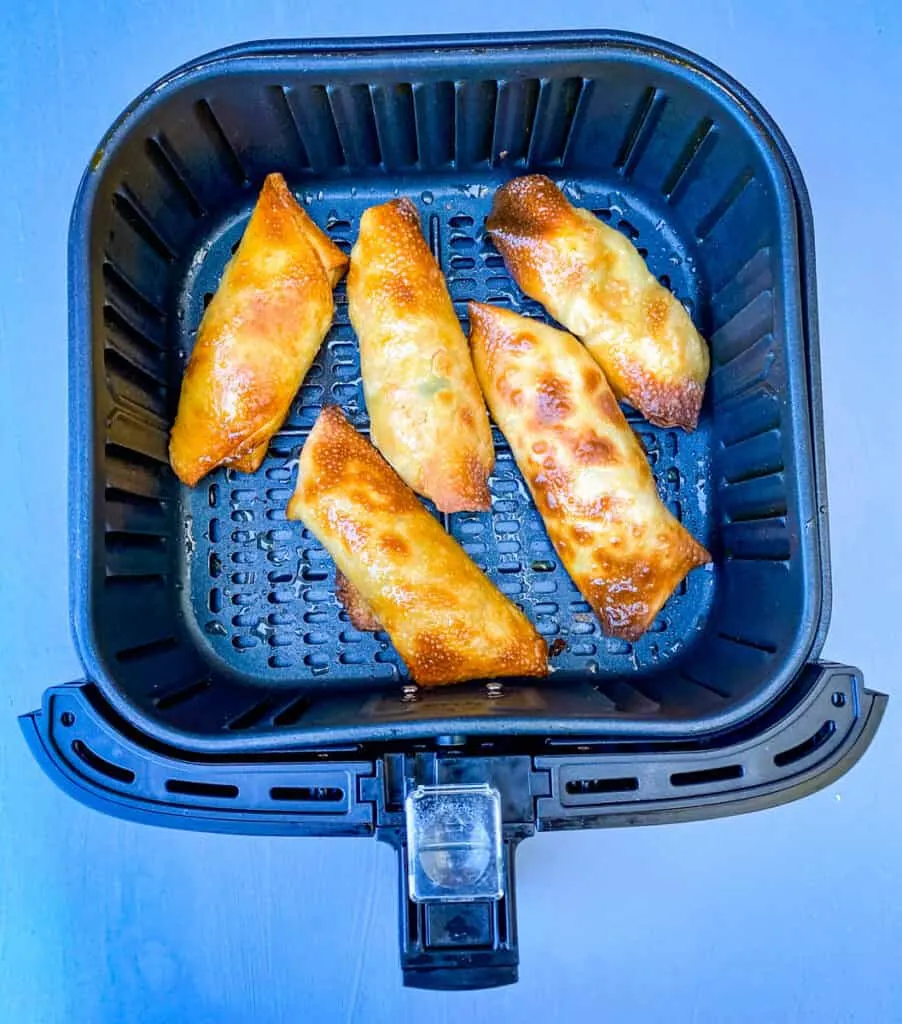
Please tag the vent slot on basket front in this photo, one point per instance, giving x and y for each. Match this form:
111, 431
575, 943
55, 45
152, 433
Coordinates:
807, 747
101, 765
307, 794
594, 787
185, 787
705, 776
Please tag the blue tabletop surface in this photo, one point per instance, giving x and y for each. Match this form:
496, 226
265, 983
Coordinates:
793, 914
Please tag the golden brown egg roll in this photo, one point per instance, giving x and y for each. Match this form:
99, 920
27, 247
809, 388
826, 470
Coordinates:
446, 619
257, 338
593, 281
585, 467
427, 416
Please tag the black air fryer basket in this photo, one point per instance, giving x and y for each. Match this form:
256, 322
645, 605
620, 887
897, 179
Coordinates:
227, 689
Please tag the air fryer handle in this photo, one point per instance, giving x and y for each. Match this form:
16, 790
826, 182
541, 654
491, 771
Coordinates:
460, 945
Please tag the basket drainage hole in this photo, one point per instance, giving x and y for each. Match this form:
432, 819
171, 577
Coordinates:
838, 700
68, 719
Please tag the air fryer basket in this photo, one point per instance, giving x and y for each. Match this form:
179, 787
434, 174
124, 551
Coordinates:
208, 625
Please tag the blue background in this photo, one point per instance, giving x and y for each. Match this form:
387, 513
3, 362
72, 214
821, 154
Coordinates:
791, 914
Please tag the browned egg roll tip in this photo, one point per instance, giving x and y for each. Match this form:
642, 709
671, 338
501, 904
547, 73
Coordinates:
257, 338
525, 208
280, 200
595, 283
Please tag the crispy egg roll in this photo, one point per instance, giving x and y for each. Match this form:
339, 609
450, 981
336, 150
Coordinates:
257, 338
427, 416
446, 619
585, 467
593, 281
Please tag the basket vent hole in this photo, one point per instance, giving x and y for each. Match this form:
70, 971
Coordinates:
630, 230
308, 794
101, 765
462, 262
214, 789
838, 700
319, 663
707, 775
587, 787
252, 716
141, 651
67, 719
292, 714
806, 747
181, 695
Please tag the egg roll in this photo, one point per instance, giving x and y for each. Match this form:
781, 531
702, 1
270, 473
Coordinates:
592, 280
585, 467
446, 619
257, 338
427, 416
